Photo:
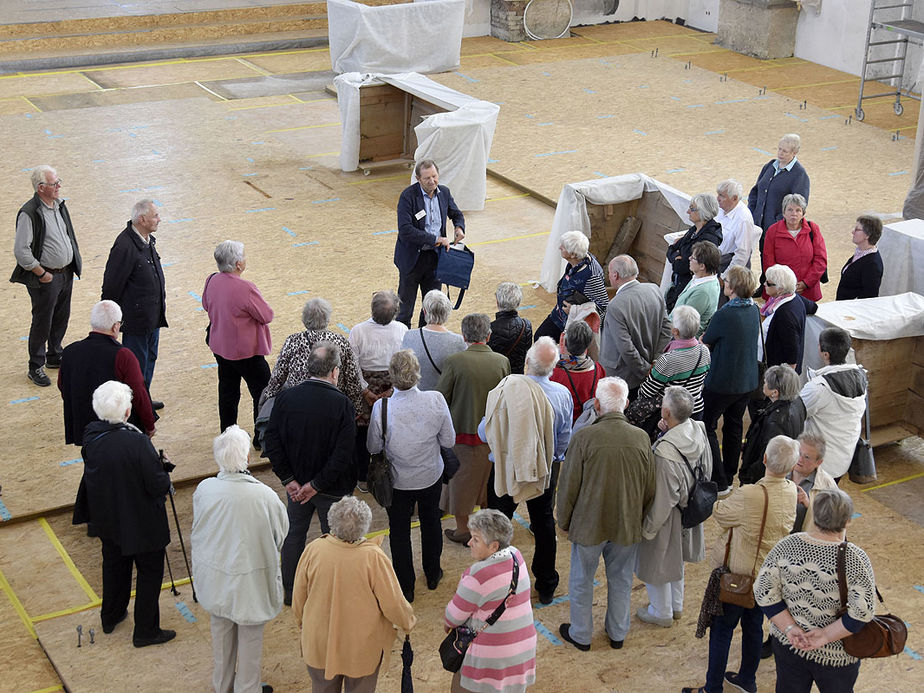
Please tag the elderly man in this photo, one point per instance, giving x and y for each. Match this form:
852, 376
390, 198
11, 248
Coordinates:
607, 486
778, 178
739, 234
422, 211
754, 518
87, 364
309, 441
121, 498
135, 280
47, 258
238, 528
525, 414
835, 399
636, 328
468, 376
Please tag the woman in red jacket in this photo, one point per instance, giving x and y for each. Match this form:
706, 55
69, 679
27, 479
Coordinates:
796, 242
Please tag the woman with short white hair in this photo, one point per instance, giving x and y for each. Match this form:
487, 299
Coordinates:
783, 323
511, 333
433, 343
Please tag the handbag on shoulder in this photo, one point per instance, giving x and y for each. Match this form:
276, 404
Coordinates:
380, 477
738, 588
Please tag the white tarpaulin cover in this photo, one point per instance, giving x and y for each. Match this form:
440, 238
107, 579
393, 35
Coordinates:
571, 212
421, 36
902, 251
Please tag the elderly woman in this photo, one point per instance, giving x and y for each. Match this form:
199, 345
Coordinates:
783, 415
702, 293
121, 498
432, 343
418, 424
797, 588
239, 333
747, 540
291, 367
238, 528
783, 323
739, 232
582, 281
503, 657
347, 603
732, 338
796, 242
666, 545
685, 362
862, 274
511, 334
577, 371
702, 211
778, 178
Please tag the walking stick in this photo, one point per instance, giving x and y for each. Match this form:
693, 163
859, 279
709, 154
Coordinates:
179, 533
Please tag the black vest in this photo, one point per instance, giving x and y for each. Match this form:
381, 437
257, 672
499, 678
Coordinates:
27, 277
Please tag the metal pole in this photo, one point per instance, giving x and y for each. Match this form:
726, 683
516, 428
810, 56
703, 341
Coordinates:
179, 533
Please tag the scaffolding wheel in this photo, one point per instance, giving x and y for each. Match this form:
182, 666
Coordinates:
367, 171
859, 113
898, 108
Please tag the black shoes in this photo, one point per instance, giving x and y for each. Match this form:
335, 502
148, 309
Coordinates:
52, 363
615, 644
39, 378
563, 632
433, 584
156, 405
546, 597
287, 597
163, 636
108, 628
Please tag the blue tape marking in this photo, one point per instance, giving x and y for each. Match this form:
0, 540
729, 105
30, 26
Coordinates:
157, 203
600, 175
184, 610
676, 98
24, 399
209, 365
642, 86
248, 175
527, 307
567, 151
140, 127
856, 515
47, 132
155, 187
249, 159
899, 173
24, 339
155, 152
470, 79
52, 137
99, 161
499, 103
730, 101
297, 293
382, 233
589, 91
530, 115
560, 600
177, 221
696, 105
68, 463
321, 202
715, 132
343, 327
25, 170
762, 151
114, 130
541, 124
547, 74
200, 308
911, 653
760, 98
299, 245
519, 519
132, 134
4, 513
640, 132
795, 117
606, 116
167, 264
675, 170
289, 231
305, 168
260, 142
828, 149
28, 115
130, 190
829, 117
195, 296
493, 161
919, 588
262, 209
547, 633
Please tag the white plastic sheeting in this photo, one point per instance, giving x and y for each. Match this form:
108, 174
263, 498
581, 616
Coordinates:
421, 36
902, 251
571, 212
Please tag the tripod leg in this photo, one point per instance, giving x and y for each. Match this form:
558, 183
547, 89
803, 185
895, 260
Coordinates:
173, 588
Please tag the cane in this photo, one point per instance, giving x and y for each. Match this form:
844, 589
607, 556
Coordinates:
179, 533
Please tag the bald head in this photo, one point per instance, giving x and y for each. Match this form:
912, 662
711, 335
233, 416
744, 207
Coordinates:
542, 357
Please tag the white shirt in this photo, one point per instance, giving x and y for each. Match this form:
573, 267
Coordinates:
374, 344
739, 234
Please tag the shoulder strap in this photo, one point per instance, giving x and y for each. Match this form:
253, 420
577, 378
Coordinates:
502, 607
763, 523
571, 380
519, 337
692, 373
842, 577
763, 344
384, 418
426, 349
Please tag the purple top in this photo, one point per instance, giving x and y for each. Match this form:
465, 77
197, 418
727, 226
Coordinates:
239, 317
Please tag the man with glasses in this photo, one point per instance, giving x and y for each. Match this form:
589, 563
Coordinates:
47, 258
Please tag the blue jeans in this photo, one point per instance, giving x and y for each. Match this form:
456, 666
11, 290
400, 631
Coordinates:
299, 522
720, 637
620, 565
144, 346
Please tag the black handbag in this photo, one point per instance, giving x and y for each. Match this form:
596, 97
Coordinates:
456, 643
701, 498
380, 477
451, 463
454, 268
863, 465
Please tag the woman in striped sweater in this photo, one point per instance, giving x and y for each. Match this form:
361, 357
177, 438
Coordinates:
502, 658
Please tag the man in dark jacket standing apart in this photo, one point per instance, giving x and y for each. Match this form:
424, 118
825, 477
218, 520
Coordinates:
422, 211
47, 258
309, 441
135, 280
121, 498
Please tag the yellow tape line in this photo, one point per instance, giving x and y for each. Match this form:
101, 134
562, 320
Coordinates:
892, 483
49, 689
26, 99
512, 238
852, 80
17, 605
312, 156
303, 127
376, 180
507, 197
66, 612
67, 560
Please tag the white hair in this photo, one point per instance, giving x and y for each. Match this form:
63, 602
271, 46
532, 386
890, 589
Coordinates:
39, 175
228, 254
105, 314
508, 295
316, 314
349, 518
542, 357
783, 277
231, 449
142, 208
112, 401
782, 453
625, 266
612, 394
436, 307
575, 243
731, 188
686, 320
707, 205
791, 142
679, 402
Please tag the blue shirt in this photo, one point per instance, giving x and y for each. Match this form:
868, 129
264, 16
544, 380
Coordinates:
433, 221
788, 167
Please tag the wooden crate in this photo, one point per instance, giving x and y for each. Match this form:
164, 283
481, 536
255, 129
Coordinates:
896, 386
387, 116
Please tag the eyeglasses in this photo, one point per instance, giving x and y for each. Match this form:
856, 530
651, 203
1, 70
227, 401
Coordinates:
770, 285
691, 208
56, 184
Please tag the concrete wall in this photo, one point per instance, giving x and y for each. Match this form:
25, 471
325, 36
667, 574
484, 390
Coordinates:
703, 15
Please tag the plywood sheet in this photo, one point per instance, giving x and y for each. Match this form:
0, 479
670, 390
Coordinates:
170, 73
45, 83
634, 30
312, 60
114, 97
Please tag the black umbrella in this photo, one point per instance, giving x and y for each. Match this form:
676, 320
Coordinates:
407, 656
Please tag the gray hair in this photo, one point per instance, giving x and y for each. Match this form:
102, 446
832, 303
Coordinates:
783, 277
493, 525
679, 402
476, 327
404, 369
686, 320
612, 394
112, 400
316, 314
575, 243
39, 176
228, 254
784, 380
730, 187
791, 142
542, 357
508, 295
436, 307
384, 306
105, 314
816, 441
426, 163
625, 266
831, 510
706, 205
578, 337
794, 199
782, 454
323, 358
349, 519
231, 449
142, 208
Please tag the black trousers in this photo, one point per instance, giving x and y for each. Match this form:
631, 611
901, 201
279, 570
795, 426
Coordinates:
542, 524
431, 533
256, 373
795, 673
548, 328
117, 588
51, 310
731, 410
421, 278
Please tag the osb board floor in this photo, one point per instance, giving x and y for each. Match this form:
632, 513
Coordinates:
265, 170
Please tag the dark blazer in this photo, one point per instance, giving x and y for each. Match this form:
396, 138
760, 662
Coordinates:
135, 280
123, 489
786, 336
766, 197
31, 208
780, 418
412, 234
860, 279
310, 437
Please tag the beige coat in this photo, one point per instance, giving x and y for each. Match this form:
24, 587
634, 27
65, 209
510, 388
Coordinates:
823, 482
348, 600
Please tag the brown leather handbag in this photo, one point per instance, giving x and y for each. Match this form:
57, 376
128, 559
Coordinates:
738, 588
884, 636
